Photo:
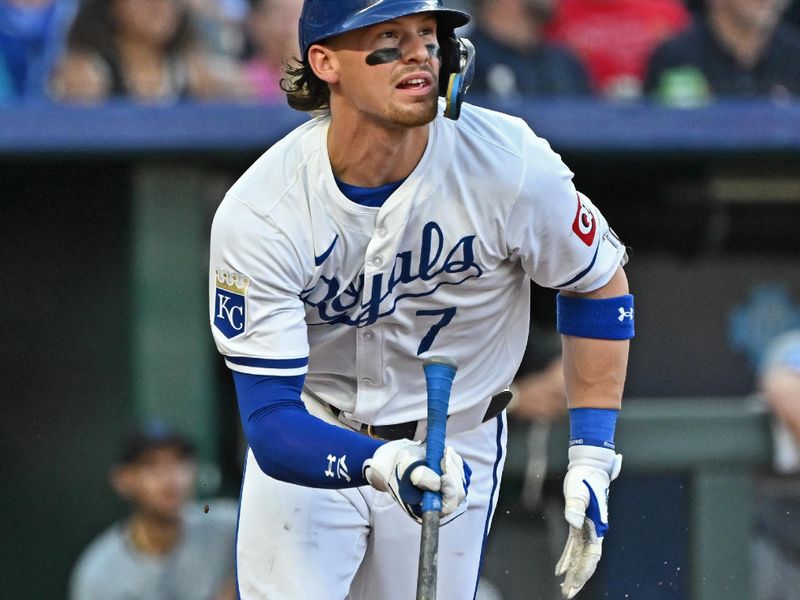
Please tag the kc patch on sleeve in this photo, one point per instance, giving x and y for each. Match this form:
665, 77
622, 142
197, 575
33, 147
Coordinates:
230, 306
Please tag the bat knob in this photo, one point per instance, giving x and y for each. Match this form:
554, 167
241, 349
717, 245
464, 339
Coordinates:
441, 360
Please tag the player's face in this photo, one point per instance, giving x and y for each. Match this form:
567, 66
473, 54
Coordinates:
159, 483
389, 71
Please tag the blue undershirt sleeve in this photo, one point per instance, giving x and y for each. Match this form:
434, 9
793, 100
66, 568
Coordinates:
292, 445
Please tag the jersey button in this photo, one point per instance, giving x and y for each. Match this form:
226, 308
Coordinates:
381, 231
366, 381
368, 336
377, 261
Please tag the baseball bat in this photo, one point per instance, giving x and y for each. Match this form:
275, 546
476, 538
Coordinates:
439, 374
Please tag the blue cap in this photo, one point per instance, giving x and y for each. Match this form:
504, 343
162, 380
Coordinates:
152, 436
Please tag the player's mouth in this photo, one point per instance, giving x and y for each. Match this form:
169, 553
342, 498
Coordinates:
416, 84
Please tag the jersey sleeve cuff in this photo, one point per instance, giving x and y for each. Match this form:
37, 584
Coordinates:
285, 367
610, 254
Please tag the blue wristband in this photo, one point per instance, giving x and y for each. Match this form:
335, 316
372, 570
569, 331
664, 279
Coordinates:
592, 427
599, 318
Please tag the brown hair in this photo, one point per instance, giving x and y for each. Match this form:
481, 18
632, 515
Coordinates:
304, 90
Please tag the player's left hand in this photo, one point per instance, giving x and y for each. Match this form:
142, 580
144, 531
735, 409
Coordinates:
399, 468
591, 470
456, 474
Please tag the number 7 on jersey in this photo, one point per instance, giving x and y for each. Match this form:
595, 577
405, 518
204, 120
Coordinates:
447, 315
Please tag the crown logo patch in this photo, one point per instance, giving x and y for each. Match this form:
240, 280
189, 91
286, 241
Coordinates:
230, 302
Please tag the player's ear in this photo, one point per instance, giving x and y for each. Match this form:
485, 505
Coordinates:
324, 63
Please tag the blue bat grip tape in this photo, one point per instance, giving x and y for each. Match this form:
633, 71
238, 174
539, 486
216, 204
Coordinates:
439, 379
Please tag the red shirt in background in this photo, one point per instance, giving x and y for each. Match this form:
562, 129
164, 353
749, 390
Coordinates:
614, 38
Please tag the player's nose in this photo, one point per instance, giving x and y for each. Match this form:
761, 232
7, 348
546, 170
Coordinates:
416, 51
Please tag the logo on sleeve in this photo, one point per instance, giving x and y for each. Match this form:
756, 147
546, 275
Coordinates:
341, 471
229, 302
585, 223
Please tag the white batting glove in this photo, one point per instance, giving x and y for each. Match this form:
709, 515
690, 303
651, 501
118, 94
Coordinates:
590, 472
399, 468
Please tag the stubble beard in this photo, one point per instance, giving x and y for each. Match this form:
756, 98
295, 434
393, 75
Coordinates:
416, 115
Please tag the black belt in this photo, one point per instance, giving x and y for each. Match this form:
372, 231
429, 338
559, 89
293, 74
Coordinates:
408, 430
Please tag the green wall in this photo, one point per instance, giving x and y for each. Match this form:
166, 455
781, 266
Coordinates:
65, 364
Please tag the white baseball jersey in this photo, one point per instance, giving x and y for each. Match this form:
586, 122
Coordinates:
305, 280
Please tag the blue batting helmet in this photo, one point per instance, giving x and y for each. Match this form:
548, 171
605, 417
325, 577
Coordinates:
322, 19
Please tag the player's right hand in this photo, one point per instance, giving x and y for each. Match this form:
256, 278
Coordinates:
399, 468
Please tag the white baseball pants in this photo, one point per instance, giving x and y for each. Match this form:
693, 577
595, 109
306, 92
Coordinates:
298, 543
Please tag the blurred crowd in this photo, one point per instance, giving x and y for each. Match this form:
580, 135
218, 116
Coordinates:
677, 52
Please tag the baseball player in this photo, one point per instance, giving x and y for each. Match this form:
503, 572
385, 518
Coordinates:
391, 227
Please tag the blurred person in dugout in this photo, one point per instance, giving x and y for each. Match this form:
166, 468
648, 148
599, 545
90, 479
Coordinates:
539, 401
777, 543
792, 14
614, 38
515, 59
271, 27
170, 547
144, 50
32, 36
736, 48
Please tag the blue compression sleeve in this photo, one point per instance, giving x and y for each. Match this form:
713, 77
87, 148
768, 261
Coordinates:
292, 445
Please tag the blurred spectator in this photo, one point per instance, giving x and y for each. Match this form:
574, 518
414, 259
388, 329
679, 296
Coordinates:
513, 58
540, 399
32, 36
144, 50
220, 25
614, 38
740, 48
777, 547
272, 33
168, 548
695, 6
792, 14
7, 91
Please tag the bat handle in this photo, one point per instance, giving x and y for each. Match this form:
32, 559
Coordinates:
439, 374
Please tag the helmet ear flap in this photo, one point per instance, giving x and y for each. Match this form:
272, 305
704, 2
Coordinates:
456, 73
450, 63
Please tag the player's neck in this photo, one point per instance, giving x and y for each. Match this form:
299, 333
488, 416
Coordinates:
369, 156
153, 536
